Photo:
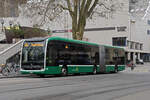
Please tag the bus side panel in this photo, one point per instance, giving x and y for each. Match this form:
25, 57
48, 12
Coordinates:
52, 70
121, 67
110, 68
80, 69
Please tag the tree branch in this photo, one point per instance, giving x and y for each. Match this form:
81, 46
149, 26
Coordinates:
88, 3
92, 8
65, 8
47, 8
69, 7
82, 7
102, 4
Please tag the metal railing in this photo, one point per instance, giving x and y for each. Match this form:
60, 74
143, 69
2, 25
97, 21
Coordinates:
9, 52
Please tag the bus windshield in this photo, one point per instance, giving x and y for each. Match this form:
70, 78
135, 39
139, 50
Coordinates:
33, 55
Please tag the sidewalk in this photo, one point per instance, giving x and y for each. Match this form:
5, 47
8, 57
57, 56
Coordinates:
144, 95
139, 68
17, 76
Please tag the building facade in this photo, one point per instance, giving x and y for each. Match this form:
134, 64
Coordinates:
139, 24
9, 13
9, 8
128, 27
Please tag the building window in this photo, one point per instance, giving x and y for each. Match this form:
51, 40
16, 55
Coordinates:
148, 32
141, 46
132, 45
133, 1
119, 41
136, 46
128, 43
121, 29
148, 22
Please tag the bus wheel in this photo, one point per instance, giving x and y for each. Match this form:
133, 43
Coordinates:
95, 70
116, 69
64, 71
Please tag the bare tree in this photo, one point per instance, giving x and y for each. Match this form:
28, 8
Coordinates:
79, 10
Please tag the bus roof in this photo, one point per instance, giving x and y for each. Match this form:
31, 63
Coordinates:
37, 39
69, 40
80, 42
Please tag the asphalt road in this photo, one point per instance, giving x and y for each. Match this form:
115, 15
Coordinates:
127, 85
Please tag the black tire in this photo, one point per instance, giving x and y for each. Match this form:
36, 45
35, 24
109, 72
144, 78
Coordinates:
116, 69
64, 71
5, 71
94, 70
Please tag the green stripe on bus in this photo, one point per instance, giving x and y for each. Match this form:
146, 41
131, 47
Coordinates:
53, 70
80, 69
110, 68
121, 67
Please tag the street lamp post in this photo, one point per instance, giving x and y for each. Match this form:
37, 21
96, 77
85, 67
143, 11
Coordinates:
10, 23
132, 22
2, 22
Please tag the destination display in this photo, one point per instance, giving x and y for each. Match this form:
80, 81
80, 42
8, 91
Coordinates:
33, 45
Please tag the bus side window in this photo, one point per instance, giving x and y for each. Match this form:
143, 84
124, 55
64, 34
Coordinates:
51, 57
96, 58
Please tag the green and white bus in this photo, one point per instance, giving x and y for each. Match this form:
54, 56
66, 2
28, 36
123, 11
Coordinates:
55, 55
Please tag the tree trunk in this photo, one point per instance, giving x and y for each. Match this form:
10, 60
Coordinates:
79, 16
78, 33
78, 28
74, 28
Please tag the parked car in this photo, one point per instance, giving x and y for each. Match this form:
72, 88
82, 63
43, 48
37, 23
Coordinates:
139, 61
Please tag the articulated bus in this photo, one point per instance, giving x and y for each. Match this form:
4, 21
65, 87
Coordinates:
55, 55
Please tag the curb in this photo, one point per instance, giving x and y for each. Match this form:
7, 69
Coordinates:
17, 76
